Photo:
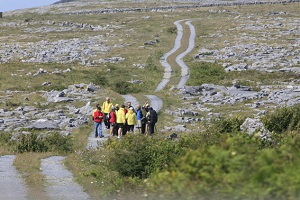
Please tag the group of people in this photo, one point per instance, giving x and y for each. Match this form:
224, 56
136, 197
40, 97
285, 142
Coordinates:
120, 120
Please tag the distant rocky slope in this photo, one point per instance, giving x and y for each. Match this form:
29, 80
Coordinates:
269, 57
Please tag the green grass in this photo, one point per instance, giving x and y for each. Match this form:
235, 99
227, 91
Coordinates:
132, 30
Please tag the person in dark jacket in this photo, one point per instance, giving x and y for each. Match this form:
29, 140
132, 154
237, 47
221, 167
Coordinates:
151, 119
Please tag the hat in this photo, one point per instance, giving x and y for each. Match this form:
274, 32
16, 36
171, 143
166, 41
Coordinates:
113, 108
117, 105
147, 105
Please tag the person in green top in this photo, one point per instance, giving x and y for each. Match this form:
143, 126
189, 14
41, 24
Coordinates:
106, 108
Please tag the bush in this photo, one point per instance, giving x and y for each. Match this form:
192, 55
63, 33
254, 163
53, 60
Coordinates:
283, 119
139, 155
237, 168
123, 87
172, 30
51, 142
5, 137
227, 125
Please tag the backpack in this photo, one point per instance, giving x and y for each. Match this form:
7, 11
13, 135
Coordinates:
153, 116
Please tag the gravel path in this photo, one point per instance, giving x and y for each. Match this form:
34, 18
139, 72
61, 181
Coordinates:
97, 142
164, 58
60, 181
132, 99
155, 102
185, 72
11, 184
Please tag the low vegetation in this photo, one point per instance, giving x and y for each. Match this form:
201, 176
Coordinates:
220, 162
214, 161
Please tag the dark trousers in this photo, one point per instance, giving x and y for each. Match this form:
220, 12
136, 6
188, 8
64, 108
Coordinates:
106, 121
115, 130
143, 127
125, 129
151, 128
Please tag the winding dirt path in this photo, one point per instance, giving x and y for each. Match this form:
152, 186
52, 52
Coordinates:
185, 72
130, 98
164, 58
155, 102
60, 183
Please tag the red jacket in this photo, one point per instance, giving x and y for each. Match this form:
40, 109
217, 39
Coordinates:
98, 116
112, 118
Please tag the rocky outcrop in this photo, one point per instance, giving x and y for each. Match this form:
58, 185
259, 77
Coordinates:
62, 119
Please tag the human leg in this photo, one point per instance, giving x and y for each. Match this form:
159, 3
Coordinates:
143, 129
111, 130
120, 131
151, 128
96, 129
100, 130
106, 122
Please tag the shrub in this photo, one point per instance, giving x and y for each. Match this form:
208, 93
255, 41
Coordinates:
5, 137
123, 87
34, 142
99, 78
227, 125
237, 168
172, 30
139, 155
283, 119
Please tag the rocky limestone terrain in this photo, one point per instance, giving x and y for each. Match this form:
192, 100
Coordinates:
269, 54
237, 55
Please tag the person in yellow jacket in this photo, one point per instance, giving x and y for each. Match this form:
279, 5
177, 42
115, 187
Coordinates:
131, 119
121, 120
106, 108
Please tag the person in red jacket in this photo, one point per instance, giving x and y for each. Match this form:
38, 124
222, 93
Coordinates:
112, 121
98, 117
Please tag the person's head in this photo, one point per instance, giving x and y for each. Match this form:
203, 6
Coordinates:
123, 106
107, 99
113, 108
117, 106
138, 107
98, 107
129, 104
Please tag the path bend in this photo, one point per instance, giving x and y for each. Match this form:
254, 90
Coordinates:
164, 58
185, 72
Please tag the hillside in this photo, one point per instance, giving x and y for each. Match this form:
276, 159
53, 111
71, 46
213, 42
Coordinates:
195, 61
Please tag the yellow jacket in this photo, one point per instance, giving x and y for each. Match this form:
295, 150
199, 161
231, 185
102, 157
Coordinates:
131, 117
106, 107
121, 116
